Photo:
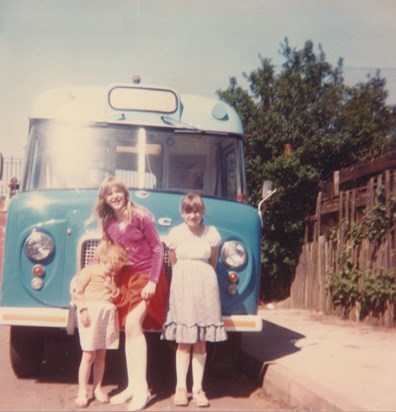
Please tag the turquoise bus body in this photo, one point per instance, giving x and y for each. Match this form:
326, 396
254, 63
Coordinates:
65, 216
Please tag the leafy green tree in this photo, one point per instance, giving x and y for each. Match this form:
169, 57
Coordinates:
301, 123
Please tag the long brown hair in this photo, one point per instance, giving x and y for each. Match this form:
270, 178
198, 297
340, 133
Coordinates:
104, 211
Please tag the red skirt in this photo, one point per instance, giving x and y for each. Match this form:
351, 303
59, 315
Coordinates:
131, 286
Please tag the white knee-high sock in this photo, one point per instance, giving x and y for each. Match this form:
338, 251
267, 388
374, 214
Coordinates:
129, 365
127, 393
137, 363
182, 364
198, 369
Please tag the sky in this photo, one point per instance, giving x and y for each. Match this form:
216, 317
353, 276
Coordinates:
193, 46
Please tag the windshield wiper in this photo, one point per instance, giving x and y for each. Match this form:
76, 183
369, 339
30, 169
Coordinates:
174, 122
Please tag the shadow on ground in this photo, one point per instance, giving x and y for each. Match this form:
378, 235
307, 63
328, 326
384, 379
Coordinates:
228, 369
62, 358
260, 349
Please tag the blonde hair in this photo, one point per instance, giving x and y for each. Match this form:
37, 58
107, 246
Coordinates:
192, 201
104, 211
107, 251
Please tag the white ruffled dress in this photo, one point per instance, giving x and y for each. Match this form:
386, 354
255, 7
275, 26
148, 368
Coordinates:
194, 312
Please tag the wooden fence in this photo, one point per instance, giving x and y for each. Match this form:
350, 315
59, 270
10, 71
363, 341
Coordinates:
340, 203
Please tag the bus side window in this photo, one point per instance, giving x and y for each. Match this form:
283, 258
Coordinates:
230, 175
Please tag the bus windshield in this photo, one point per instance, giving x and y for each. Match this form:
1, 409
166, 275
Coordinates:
63, 156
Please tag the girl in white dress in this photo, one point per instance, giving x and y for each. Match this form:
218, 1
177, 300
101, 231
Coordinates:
93, 292
194, 314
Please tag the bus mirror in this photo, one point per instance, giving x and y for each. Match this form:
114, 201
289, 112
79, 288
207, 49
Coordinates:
266, 192
267, 188
1, 166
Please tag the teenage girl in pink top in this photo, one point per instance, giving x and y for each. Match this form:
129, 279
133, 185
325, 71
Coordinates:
143, 285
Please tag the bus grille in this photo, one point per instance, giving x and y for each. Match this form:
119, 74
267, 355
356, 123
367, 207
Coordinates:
88, 253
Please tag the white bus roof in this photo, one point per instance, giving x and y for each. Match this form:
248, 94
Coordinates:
95, 104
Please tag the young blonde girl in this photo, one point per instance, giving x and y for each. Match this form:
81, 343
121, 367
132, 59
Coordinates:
93, 291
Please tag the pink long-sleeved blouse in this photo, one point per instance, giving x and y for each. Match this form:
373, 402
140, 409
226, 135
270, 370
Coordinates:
142, 243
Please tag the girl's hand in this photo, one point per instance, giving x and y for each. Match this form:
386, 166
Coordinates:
149, 290
85, 318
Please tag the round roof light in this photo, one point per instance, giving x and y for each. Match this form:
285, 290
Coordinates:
219, 112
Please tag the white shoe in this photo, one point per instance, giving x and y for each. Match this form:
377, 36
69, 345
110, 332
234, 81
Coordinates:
200, 399
122, 397
82, 400
180, 398
101, 397
140, 402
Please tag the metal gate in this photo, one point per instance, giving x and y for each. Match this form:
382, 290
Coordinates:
12, 168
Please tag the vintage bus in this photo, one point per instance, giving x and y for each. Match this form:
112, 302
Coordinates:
161, 144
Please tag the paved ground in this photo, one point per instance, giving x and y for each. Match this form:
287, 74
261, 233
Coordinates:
55, 387
318, 363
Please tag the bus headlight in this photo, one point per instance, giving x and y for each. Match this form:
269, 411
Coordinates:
38, 246
233, 254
